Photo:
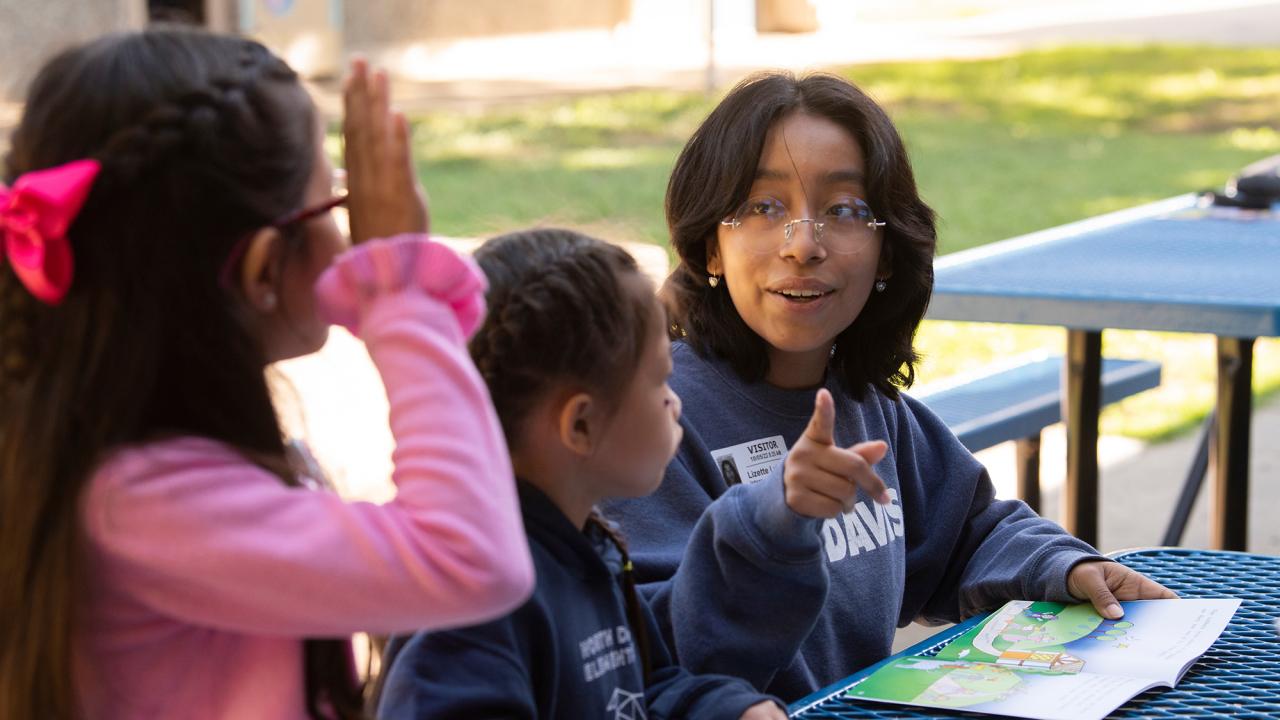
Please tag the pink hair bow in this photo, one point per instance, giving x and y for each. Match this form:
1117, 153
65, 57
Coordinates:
34, 217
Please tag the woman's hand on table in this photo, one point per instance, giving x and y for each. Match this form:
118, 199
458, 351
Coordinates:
1104, 583
767, 710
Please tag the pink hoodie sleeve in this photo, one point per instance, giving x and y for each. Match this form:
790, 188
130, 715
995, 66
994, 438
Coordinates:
193, 531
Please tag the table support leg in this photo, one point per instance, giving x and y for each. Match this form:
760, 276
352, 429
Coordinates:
1028, 452
1229, 514
1083, 400
1191, 486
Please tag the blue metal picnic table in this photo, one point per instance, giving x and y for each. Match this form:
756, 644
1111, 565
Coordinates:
1174, 265
1238, 677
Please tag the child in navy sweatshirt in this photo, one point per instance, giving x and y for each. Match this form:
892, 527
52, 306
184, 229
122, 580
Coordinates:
575, 353
813, 507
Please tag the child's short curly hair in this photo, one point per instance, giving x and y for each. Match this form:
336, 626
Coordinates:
564, 308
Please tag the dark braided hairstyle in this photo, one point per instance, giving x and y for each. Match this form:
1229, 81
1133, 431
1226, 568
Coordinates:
635, 616
565, 310
202, 139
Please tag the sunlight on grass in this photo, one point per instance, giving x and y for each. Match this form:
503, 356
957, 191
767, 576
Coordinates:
1187, 86
498, 143
600, 158
1075, 95
1262, 139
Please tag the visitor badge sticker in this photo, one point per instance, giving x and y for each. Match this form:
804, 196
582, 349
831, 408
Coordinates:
751, 461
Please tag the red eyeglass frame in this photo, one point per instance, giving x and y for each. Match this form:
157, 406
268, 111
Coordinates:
285, 221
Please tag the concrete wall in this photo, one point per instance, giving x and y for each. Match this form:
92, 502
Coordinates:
402, 21
786, 16
32, 30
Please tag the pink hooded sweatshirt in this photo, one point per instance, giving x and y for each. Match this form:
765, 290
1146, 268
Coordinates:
206, 572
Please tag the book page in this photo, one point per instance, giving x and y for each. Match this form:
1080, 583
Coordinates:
997, 689
1156, 639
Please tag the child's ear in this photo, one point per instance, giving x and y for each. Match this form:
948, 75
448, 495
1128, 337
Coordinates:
260, 270
579, 424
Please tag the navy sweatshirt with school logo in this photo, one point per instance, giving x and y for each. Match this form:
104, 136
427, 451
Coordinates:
566, 653
744, 586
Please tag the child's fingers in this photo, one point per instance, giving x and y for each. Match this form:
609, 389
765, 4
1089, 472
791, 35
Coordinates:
385, 199
355, 77
403, 148
380, 106
409, 174
355, 126
355, 97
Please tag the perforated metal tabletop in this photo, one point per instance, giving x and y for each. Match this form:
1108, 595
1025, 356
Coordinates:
1239, 677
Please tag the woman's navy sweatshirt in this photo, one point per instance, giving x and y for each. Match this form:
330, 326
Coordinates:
566, 653
744, 586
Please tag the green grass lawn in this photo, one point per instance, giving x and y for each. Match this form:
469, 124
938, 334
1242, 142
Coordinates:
1001, 147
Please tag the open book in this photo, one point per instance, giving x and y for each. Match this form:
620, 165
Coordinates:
1052, 661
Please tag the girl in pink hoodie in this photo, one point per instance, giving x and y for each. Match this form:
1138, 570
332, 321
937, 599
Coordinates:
165, 235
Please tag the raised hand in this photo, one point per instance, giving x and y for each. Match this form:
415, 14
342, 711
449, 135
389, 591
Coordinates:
384, 197
821, 479
1103, 583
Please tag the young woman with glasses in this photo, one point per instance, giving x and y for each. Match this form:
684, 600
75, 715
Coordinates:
805, 268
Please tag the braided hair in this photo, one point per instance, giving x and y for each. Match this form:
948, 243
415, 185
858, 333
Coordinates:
201, 139
564, 309
631, 596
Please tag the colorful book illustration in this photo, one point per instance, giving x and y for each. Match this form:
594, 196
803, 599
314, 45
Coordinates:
1052, 661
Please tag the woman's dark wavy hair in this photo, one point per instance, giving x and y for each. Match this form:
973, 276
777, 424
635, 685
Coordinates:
713, 176
202, 139
564, 309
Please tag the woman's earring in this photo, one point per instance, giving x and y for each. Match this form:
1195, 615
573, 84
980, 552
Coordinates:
713, 280
269, 301
881, 285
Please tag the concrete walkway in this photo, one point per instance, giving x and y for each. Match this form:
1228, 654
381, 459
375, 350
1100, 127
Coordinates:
482, 73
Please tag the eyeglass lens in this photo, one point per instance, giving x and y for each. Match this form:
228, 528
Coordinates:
844, 225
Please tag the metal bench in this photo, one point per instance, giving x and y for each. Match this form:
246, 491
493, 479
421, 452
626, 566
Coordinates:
1016, 403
